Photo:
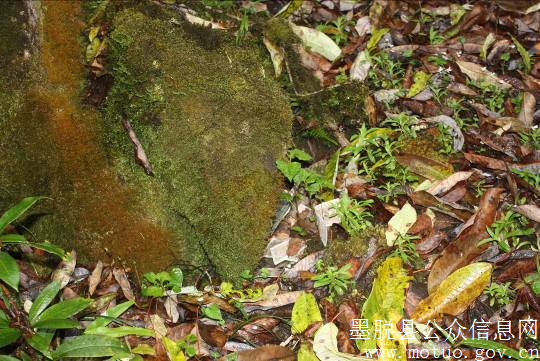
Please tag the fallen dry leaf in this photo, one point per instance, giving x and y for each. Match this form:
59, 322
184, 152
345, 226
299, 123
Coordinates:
465, 248
448, 183
121, 277
95, 278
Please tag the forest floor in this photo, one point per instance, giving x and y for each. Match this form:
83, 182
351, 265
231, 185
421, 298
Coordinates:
409, 227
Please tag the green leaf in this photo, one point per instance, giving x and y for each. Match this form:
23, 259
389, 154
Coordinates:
144, 349
212, 311
55, 324
152, 291
110, 315
9, 271
305, 312
63, 310
455, 293
376, 36
8, 336
524, 54
173, 350
121, 331
298, 154
385, 303
41, 341
306, 353
492, 345
8, 358
89, 346
16, 211
420, 81
177, 278
18, 239
289, 169
4, 320
43, 300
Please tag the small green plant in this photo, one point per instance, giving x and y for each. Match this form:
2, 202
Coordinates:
437, 60
445, 139
479, 188
434, 37
404, 122
457, 107
531, 137
157, 284
320, 133
492, 96
337, 280
385, 72
500, 294
508, 231
534, 279
178, 350
246, 275
405, 248
337, 29
353, 214
529, 177
313, 182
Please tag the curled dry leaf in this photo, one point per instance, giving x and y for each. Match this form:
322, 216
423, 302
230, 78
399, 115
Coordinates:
465, 248
448, 183
121, 277
95, 278
277, 56
455, 293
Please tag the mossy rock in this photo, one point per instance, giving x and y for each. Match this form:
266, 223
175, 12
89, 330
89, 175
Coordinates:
209, 115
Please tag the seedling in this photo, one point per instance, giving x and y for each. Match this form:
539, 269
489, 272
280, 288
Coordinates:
156, 284
337, 280
508, 231
501, 294
531, 137
406, 249
529, 177
353, 214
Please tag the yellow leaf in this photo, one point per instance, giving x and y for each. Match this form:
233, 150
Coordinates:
455, 293
420, 81
305, 312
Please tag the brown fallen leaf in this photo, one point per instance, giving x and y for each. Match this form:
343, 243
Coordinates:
95, 278
211, 333
282, 299
517, 269
121, 277
527, 110
465, 248
484, 161
530, 211
425, 199
140, 154
267, 353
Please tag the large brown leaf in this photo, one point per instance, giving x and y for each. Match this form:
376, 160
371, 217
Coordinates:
465, 248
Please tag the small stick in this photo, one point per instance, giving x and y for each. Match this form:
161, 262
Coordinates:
140, 155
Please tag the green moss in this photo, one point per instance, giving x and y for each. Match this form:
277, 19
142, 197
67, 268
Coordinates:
343, 104
212, 121
341, 250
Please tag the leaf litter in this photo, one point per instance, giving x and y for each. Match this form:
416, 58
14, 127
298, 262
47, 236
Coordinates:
438, 198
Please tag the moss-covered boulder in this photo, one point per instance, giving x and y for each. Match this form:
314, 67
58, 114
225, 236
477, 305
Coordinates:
208, 114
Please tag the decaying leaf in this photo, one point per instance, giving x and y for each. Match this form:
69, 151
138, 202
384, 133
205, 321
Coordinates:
360, 67
481, 75
465, 248
276, 54
95, 278
267, 353
490, 39
305, 312
455, 130
455, 293
140, 154
425, 167
201, 22
386, 302
420, 81
121, 277
530, 211
325, 345
528, 108
400, 223
317, 42
65, 269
